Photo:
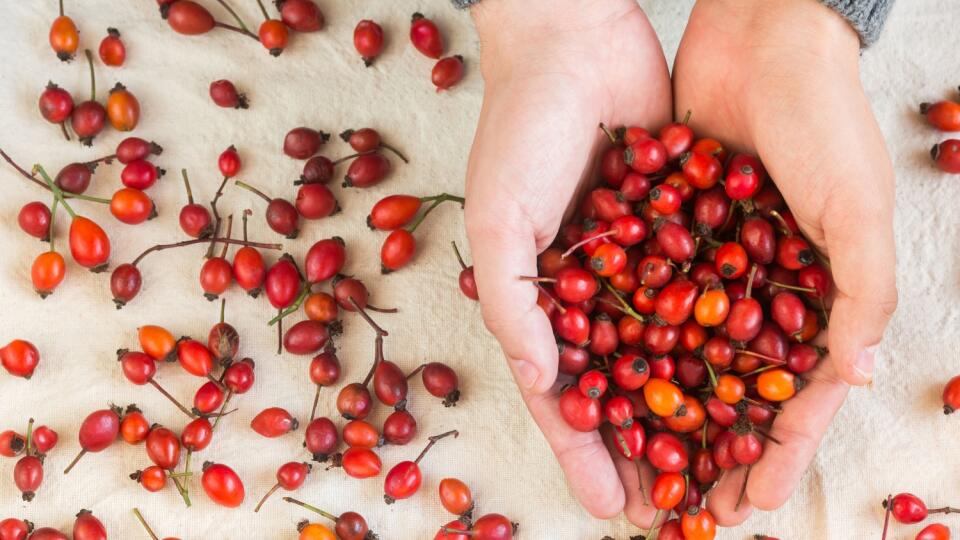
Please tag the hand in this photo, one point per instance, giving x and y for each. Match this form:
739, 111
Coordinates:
780, 79
553, 70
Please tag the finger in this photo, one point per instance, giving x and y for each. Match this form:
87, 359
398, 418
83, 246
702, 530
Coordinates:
842, 196
858, 232
799, 428
501, 255
637, 478
585, 460
725, 501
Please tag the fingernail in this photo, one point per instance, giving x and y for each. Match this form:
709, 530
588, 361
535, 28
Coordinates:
527, 373
864, 363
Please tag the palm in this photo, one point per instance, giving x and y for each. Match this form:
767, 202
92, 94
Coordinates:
535, 148
770, 97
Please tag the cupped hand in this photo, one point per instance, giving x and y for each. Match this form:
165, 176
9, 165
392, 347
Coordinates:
553, 70
781, 80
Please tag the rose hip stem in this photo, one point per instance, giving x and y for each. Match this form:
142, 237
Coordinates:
42, 184
29, 448
143, 522
434, 440
791, 287
57, 192
216, 217
237, 18
377, 328
456, 250
311, 508
585, 241
437, 201
170, 397
770, 359
161, 247
613, 138
886, 516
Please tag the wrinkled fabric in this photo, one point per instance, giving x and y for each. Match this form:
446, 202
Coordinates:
320, 81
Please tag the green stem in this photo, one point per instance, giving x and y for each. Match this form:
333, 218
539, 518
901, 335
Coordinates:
626, 307
293, 307
456, 250
61, 8
311, 508
437, 201
222, 409
263, 10
223, 309
29, 437
143, 522
53, 217
248, 187
55, 189
93, 77
186, 182
236, 17
713, 376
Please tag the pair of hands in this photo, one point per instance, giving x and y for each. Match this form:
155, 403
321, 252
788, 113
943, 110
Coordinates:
776, 79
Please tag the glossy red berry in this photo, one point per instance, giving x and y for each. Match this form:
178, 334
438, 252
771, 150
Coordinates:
222, 485
368, 40
943, 115
425, 36
301, 15
28, 475
447, 72
224, 93
274, 422
581, 412
367, 170
20, 358
188, 17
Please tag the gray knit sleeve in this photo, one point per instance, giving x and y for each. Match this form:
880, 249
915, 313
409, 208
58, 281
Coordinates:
866, 16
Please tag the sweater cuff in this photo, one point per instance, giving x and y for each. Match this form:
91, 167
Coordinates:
463, 4
866, 16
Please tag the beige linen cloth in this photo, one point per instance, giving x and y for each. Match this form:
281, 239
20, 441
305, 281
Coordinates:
888, 438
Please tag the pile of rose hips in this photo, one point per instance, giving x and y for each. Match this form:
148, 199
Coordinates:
28, 472
368, 39
909, 509
944, 115
86, 526
685, 301
191, 19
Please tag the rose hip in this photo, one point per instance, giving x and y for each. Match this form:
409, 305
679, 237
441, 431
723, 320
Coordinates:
368, 40
447, 72
224, 93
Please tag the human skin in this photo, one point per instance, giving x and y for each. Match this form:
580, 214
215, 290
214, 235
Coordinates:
777, 80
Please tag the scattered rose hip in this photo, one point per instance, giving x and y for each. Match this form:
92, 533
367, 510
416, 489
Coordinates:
64, 36
146, 526
944, 115
225, 94
112, 50
368, 40
908, 509
20, 358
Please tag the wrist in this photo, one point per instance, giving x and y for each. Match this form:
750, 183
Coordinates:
806, 26
547, 35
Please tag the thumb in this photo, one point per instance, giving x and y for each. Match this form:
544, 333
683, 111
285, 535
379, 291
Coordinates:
859, 238
504, 249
